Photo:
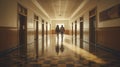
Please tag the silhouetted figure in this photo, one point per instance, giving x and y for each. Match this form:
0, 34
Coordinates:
57, 30
57, 46
62, 30
57, 49
62, 47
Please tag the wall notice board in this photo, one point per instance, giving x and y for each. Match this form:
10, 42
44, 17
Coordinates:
111, 13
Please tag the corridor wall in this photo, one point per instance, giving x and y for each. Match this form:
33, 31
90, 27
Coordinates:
9, 28
107, 32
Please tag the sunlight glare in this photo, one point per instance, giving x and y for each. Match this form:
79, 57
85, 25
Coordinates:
84, 54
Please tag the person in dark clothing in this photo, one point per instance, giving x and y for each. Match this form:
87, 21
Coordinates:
57, 30
62, 30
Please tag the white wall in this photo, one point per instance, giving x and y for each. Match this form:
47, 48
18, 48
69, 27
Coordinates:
8, 13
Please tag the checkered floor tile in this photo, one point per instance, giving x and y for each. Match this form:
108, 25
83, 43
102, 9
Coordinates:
59, 62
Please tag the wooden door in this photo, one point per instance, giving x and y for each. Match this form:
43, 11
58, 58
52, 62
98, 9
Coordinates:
23, 35
81, 34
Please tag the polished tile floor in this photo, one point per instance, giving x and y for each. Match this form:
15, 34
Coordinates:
57, 51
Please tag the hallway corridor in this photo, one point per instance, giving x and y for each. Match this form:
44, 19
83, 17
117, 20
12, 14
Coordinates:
59, 33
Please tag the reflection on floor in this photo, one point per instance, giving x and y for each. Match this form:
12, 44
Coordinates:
58, 51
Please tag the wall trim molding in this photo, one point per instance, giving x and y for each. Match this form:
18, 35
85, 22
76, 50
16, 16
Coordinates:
8, 28
111, 28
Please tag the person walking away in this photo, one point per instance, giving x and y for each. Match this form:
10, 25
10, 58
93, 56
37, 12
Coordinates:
62, 30
57, 30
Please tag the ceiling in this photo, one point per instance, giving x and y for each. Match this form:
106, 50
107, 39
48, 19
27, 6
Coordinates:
60, 9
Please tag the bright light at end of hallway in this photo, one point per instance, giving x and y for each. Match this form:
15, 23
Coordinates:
84, 54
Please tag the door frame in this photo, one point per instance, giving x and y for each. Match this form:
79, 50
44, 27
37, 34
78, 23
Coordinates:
36, 35
81, 31
21, 10
92, 14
